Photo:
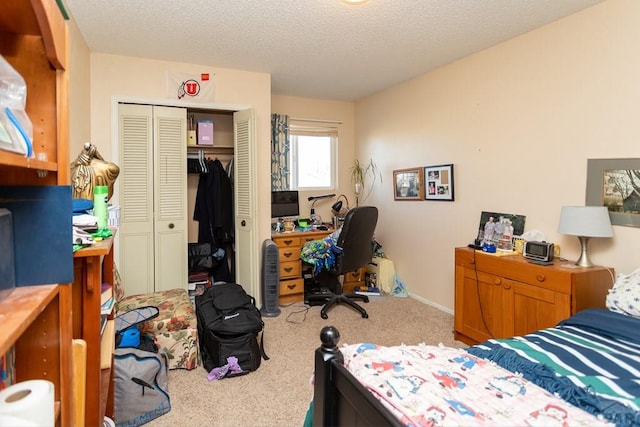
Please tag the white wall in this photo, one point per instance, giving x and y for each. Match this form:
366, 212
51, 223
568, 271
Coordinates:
79, 93
519, 122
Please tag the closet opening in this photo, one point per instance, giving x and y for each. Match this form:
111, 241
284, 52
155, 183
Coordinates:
176, 190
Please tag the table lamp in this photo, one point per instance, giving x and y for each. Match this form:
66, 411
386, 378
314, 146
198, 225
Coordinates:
338, 208
315, 219
339, 211
585, 222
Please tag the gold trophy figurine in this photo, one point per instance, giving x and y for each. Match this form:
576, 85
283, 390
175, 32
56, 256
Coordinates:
88, 170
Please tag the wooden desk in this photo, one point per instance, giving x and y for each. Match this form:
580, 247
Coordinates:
291, 268
93, 266
290, 264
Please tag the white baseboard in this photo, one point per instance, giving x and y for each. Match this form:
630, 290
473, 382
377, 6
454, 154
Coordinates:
431, 303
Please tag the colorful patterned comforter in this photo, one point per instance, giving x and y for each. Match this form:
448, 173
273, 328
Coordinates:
321, 253
428, 385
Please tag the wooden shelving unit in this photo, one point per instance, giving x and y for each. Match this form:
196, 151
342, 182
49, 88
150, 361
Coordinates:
36, 311
35, 319
93, 266
33, 39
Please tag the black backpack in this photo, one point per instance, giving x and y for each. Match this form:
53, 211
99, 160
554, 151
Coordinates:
228, 325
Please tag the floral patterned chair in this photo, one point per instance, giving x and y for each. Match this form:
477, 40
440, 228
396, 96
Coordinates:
175, 329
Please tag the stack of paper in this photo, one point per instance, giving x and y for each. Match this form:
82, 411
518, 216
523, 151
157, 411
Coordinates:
107, 300
107, 345
85, 220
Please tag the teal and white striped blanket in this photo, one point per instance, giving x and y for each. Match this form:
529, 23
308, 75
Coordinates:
591, 360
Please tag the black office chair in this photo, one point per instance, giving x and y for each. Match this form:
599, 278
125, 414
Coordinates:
356, 242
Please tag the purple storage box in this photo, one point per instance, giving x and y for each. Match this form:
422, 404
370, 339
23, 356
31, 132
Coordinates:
205, 132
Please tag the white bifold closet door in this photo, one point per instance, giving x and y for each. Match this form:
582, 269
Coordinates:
245, 203
153, 197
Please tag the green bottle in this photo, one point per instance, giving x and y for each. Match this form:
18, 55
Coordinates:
100, 210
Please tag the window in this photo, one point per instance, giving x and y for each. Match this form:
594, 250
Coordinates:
313, 159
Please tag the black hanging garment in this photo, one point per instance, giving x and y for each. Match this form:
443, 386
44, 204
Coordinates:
214, 213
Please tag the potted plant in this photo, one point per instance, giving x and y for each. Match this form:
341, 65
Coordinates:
360, 175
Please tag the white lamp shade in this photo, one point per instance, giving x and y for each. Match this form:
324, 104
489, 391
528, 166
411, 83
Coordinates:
586, 221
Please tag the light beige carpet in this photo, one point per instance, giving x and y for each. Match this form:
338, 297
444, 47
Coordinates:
279, 392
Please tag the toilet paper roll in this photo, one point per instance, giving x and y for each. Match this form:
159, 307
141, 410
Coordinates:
8, 420
30, 402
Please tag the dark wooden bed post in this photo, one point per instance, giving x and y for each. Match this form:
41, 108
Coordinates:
325, 396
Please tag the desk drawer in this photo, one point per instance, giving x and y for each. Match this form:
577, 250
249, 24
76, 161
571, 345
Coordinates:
289, 254
288, 287
285, 242
348, 287
290, 269
305, 239
354, 276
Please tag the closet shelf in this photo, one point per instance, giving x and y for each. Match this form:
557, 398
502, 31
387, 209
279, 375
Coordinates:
210, 149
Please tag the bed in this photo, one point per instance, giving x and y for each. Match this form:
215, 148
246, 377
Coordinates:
583, 371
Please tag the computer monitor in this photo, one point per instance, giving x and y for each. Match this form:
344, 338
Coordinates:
284, 203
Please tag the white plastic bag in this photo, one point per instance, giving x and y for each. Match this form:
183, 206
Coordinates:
16, 130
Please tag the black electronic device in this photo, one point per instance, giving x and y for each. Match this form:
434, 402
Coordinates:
284, 204
538, 251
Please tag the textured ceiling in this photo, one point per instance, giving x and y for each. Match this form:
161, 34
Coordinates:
313, 48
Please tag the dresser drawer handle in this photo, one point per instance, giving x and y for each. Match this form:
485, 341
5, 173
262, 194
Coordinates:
288, 269
287, 242
497, 281
541, 277
507, 286
288, 254
291, 287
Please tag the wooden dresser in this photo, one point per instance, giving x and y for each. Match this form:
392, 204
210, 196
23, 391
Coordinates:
502, 296
291, 267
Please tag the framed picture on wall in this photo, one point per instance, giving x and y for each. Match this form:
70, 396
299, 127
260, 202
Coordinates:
439, 182
407, 184
615, 183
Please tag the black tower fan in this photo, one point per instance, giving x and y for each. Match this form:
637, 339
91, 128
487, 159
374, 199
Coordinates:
270, 279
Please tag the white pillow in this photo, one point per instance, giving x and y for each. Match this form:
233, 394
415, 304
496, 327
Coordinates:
624, 296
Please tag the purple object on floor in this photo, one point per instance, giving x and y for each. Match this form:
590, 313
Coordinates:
220, 372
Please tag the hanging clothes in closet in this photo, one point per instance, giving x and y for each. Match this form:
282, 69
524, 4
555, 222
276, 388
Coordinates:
214, 213
231, 245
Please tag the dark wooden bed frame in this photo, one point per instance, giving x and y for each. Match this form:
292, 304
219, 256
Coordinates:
339, 399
